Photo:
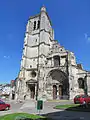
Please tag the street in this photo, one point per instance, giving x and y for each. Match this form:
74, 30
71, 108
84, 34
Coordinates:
30, 107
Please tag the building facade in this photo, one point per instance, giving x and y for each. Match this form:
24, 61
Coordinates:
48, 70
5, 90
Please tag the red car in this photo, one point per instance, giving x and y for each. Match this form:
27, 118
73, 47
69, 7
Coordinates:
4, 106
80, 99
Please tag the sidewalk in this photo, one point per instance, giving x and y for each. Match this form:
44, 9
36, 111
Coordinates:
31, 108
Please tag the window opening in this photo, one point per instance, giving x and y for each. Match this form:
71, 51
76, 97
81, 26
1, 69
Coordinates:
38, 25
34, 25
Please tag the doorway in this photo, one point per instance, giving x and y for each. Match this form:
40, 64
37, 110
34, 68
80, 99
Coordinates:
60, 91
32, 90
54, 91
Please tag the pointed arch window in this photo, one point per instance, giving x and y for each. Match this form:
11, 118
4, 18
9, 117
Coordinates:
34, 27
38, 24
56, 61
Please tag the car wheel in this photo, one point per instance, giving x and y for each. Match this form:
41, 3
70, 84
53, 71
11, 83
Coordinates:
7, 108
74, 102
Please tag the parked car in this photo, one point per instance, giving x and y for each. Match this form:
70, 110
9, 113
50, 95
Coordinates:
80, 99
4, 106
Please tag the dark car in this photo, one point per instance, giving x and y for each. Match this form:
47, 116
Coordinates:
80, 99
4, 106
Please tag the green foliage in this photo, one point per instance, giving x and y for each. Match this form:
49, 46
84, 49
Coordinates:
66, 106
21, 116
74, 107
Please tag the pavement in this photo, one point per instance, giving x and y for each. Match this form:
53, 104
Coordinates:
31, 107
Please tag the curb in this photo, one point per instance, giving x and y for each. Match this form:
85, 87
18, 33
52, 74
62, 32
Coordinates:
59, 101
76, 110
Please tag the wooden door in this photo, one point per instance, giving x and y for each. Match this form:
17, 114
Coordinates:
54, 91
32, 89
32, 94
60, 91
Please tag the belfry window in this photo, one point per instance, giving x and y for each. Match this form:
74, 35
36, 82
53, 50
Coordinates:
56, 61
34, 27
38, 24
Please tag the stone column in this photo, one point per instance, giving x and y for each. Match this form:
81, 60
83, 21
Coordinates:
70, 87
57, 91
35, 90
52, 62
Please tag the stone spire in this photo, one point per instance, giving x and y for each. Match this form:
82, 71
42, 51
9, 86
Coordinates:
43, 8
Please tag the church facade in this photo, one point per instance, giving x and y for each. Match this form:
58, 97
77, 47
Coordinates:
48, 70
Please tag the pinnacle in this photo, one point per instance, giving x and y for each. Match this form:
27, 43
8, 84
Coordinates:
43, 8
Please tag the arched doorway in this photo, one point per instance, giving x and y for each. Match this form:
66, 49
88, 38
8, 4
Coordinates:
54, 91
60, 84
31, 85
32, 90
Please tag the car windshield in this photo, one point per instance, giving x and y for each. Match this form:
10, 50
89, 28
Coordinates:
1, 102
78, 96
84, 96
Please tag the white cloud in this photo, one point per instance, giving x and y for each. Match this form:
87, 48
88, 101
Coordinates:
6, 57
87, 37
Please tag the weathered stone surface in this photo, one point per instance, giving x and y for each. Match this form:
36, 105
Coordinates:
55, 68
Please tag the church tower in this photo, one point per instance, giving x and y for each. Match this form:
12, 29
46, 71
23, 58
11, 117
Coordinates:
48, 70
38, 40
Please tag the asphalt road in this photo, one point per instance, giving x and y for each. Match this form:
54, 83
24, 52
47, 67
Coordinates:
30, 107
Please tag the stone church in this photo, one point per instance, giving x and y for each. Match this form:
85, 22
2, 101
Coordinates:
48, 70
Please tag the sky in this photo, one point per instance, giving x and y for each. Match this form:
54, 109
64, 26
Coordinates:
70, 21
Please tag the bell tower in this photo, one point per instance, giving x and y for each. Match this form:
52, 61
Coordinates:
38, 39
37, 42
